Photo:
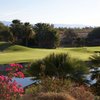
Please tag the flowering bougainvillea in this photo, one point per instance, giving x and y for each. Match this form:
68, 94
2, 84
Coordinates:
9, 89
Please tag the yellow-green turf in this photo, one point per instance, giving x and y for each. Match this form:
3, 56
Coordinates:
16, 53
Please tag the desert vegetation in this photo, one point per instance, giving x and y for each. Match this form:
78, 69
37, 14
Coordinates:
58, 58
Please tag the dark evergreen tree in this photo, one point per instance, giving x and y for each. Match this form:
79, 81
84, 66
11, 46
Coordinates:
46, 36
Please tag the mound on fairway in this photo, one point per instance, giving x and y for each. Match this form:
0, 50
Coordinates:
8, 47
16, 48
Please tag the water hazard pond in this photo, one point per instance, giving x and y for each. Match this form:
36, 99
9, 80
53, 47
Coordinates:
25, 82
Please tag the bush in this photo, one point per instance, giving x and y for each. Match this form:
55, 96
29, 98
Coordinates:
50, 89
9, 89
58, 89
81, 93
49, 96
50, 85
95, 59
54, 96
58, 65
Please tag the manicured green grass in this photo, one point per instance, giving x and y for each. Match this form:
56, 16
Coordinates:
15, 53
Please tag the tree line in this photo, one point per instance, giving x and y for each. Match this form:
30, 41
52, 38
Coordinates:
45, 35
40, 35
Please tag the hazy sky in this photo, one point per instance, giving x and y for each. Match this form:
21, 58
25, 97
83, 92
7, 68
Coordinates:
52, 11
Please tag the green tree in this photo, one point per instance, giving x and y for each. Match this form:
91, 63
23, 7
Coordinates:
5, 34
17, 31
80, 41
93, 37
22, 32
46, 36
69, 37
28, 33
94, 34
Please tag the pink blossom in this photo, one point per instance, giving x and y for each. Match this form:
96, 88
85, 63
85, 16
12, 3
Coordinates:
8, 69
1, 78
20, 74
13, 64
11, 89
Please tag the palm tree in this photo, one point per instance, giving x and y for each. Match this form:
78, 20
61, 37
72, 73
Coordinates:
29, 33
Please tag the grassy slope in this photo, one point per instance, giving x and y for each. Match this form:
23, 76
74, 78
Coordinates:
15, 53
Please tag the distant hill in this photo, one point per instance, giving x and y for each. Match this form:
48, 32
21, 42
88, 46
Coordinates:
7, 23
71, 25
57, 25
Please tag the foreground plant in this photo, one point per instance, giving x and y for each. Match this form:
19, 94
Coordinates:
95, 60
9, 89
58, 89
60, 66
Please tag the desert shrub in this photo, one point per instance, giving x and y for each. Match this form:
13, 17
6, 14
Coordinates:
58, 65
49, 96
59, 89
50, 89
48, 84
55, 85
35, 68
95, 59
97, 97
54, 96
81, 93
80, 68
96, 87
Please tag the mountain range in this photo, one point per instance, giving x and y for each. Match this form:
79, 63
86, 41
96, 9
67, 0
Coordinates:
7, 23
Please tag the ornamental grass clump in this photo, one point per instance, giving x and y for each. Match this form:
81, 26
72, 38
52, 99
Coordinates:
59, 66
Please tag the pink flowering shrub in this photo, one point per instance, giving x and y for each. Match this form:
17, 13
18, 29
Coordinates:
9, 89
15, 71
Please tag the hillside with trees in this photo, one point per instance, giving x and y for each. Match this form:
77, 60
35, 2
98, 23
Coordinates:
44, 35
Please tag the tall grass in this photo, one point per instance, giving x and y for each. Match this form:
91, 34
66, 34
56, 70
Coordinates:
58, 89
